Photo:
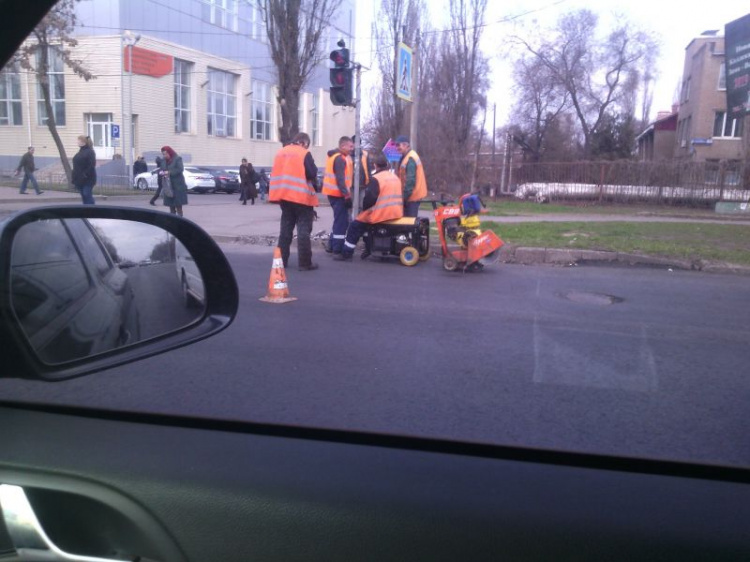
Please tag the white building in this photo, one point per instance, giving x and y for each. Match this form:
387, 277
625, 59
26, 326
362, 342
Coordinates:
203, 82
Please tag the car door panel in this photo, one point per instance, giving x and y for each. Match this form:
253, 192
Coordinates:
227, 492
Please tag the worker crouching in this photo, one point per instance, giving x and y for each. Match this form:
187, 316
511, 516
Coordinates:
383, 202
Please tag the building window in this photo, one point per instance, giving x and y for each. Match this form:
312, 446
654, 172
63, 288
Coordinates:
257, 25
10, 97
722, 76
182, 73
222, 104
314, 127
727, 128
56, 89
301, 112
221, 12
686, 90
261, 120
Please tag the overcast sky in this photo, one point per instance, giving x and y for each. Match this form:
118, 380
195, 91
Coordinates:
676, 23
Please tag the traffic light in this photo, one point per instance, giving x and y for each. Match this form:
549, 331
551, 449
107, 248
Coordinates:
341, 77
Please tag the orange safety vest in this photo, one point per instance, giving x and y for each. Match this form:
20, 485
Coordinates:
420, 189
330, 187
288, 180
390, 203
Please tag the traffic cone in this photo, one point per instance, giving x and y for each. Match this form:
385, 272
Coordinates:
278, 290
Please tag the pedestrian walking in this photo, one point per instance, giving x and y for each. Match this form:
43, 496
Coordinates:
174, 188
159, 180
84, 169
294, 184
139, 166
248, 179
263, 184
337, 184
411, 172
27, 165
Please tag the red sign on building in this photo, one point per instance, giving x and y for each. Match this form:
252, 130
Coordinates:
148, 63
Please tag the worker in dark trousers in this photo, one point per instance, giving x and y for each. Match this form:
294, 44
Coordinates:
383, 202
337, 184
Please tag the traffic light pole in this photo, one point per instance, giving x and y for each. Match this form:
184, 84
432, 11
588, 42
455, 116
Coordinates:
358, 142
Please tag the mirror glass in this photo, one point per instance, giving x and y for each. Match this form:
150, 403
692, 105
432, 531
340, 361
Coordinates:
81, 287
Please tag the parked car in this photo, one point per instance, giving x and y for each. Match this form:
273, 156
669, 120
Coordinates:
227, 181
197, 180
190, 278
70, 297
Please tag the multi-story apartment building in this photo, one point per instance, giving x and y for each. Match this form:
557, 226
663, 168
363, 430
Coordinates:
203, 82
704, 132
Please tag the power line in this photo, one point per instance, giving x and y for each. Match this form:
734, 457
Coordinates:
506, 19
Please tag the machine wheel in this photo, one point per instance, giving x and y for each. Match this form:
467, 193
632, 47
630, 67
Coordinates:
409, 256
142, 184
424, 257
450, 263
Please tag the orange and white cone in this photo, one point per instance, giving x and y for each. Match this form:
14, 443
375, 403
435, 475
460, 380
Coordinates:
278, 290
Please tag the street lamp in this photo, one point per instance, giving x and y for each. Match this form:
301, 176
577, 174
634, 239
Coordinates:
130, 39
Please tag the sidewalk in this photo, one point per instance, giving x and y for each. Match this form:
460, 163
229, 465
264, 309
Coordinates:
228, 221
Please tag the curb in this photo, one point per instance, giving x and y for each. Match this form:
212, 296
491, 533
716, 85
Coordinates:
549, 256
563, 257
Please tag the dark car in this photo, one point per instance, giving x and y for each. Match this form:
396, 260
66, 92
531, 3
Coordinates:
70, 297
227, 181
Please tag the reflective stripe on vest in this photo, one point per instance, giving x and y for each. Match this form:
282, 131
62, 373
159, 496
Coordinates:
330, 186
390, 203
288, 181
420, 187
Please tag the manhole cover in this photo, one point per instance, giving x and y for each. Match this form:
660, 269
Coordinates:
591, 298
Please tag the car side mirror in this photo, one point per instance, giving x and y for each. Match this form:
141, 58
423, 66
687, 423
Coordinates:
87, 288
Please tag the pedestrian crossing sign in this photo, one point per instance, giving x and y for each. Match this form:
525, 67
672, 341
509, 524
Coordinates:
404, 78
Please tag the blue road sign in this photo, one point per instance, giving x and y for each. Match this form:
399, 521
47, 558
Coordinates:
404, 78
115, 131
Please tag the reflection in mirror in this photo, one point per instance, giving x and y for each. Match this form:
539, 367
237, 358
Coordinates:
82, 287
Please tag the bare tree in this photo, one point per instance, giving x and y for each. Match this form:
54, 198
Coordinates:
399, 21
456, 83
296, 32
540, 99
596, 73
53, 39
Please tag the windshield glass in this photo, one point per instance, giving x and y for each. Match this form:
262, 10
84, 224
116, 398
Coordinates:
539, 236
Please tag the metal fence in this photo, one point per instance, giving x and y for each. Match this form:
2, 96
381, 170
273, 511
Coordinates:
685, 183
57, 181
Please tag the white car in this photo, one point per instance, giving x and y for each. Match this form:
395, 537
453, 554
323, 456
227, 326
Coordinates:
197, 180
191, 281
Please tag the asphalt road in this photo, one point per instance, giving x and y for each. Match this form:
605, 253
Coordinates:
636, 362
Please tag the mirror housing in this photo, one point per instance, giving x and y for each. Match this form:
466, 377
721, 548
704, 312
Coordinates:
221, 294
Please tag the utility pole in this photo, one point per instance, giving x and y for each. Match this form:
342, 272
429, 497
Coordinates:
494, 135
358, 142
505, 160
414, 93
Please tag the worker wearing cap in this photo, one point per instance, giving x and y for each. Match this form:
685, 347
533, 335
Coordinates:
411, 173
